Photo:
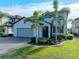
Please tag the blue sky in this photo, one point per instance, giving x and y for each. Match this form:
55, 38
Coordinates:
24, 2
27, 7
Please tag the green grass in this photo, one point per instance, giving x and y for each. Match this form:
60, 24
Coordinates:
69, 50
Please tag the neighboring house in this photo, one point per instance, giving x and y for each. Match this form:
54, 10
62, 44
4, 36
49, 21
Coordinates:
3, 21
7, 28
21, 29
75, 27
8, 24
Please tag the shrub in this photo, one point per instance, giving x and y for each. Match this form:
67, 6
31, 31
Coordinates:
41, 40
4, 35
69, 36
1, 33
59, 37
10, 34
33, 40
50, 41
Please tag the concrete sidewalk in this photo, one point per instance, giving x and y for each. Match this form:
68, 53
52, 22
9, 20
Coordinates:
5, 48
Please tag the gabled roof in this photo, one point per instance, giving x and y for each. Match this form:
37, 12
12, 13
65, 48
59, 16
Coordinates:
13, 20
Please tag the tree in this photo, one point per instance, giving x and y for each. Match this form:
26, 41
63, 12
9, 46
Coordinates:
65, 9
35, 19
54, 20
47, 14
64, 20
2, 15
14, 19
59, 23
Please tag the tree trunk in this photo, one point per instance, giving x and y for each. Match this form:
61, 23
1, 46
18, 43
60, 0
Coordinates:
37, 35
56, 34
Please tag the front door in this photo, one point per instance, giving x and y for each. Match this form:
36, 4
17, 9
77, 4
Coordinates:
45, 31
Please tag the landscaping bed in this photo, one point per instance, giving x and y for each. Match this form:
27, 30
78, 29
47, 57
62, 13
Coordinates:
51, 41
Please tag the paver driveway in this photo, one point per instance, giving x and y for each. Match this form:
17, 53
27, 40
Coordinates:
9, 43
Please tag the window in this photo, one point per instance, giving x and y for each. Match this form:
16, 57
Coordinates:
59, 30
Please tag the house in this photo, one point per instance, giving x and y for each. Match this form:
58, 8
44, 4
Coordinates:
75, 27
7, 28
2, 26
8, 24
21, 29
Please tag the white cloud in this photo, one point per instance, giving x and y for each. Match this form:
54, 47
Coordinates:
74, 8
27, 10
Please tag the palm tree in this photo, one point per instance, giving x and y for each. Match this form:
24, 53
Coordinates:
35, 19
56, 15
64, 20
47, 14
54, 20
65, 9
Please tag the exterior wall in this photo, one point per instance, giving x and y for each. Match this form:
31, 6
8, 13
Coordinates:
48, 20
74, 27
8, 30
65, 26
45, 24
4, 20
64, 29
21, 24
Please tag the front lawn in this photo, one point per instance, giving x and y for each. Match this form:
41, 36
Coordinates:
69, 50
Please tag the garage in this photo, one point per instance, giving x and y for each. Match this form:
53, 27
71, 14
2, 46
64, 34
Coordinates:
24, 32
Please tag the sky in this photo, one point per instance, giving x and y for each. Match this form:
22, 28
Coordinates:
24, 2
27, 7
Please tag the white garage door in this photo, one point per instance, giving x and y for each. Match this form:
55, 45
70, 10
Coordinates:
24, 32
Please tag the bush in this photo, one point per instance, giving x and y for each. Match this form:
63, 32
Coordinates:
69, 36
51, 41
10, 34
41, 40
4, 35
1, 33
59, 37
33, 40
